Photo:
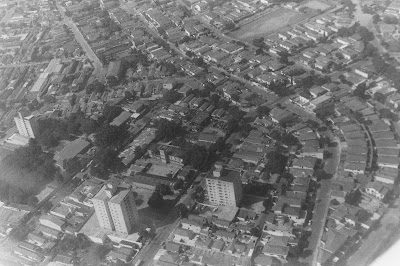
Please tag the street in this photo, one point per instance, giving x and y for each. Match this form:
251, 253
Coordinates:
81, 40
148, 252
24, 64
323, 199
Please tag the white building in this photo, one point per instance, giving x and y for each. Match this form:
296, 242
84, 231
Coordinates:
115, 208
224, 187
27, 126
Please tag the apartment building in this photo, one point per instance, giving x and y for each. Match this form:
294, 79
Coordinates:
224, 187
115, 208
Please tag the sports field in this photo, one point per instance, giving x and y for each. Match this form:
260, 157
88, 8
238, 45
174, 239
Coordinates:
269, 23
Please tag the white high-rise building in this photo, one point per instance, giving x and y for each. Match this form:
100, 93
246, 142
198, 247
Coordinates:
224, 187
27, 126
115, 208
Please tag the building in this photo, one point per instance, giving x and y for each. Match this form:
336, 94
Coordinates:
115, 207
224, 187
78, 146
378, 189
27, 126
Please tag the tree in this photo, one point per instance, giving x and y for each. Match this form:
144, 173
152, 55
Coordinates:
284, 58
111, 112
354, 197
255, 231
72, 165
47, 139
111, 136
156, 200
262, 110
167, 130
276, 162
229, 26
380, 97
366, 35
360, 91
199, 194
171, 96
164, 190
390, 20
259, 42
89, 126
268, 203
196, 156
214, 99
376, 18
182, 210
49, 99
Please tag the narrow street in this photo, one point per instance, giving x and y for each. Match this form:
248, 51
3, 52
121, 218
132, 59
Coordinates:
24, 64
323, 199
81, 40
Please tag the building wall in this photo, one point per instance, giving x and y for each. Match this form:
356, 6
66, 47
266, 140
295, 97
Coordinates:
27, 127
124, 214
224, 193
103, 213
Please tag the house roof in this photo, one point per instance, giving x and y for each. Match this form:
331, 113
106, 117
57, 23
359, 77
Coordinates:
275, 250
172, 247
225, 234
184, 232
71, 150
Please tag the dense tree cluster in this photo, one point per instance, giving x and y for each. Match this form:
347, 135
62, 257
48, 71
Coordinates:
171, 96
32, 159
257, 189
111, 136
276, 162
104, 161
168, 130
54, 130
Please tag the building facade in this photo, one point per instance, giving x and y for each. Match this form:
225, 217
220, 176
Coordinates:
115, 208
224, 187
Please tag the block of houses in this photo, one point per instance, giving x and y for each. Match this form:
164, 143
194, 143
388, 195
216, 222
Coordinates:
386, 175
278, 252
191, 225
378, 189
388, 161
53, 222
184, 236
304, 163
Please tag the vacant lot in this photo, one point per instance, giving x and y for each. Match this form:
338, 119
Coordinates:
317, 5
269, 23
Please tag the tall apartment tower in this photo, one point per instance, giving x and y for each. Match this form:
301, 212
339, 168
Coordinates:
115, 208
224, 187
27, 126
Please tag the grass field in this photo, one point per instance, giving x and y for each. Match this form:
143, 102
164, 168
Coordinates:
314, 4
269, 23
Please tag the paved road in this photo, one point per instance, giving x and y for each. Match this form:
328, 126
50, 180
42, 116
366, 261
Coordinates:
323, 200
150, 250
371, 148
24, 64
81, 40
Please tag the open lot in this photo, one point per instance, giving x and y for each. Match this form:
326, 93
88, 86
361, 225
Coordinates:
163, 169
269, 23
317, 5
